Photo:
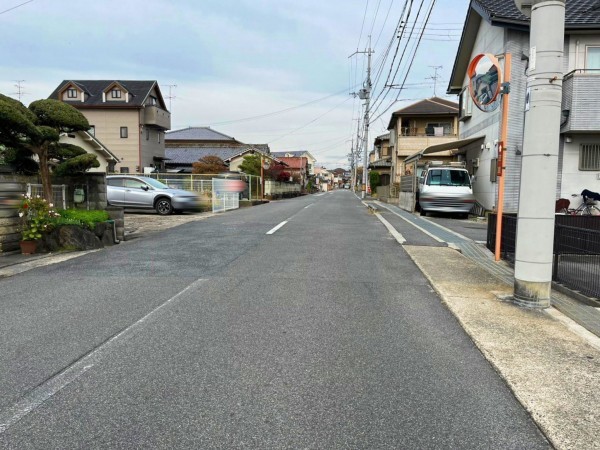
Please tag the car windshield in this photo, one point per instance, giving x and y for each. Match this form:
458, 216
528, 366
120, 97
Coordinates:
155, 183
448, 177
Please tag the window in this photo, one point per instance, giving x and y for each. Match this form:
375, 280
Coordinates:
71, 93
589, 157
592, 58
92, 130
446, 177
147, 134
124, 133
153, 101
446, 128
124, 169
465, 105
115, 93
158, 136
116, 181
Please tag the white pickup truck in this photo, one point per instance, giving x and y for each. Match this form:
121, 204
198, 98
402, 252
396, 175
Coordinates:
445, 188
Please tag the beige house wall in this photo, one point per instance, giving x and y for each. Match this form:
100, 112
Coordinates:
108, 123
89, 147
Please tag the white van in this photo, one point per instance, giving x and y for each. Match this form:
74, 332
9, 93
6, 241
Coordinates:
445, 188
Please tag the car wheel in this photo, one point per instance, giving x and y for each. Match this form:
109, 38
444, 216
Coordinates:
163, 206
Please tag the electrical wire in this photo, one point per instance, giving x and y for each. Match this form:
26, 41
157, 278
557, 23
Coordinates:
281, 111
15, 7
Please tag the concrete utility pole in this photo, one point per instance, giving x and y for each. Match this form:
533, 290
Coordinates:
539, 166
365, 94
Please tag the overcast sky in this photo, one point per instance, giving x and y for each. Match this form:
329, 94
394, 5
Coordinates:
238, 59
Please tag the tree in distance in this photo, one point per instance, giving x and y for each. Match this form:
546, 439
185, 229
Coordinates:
209, 164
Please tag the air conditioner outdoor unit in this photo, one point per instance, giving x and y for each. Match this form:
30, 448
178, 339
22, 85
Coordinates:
475, 162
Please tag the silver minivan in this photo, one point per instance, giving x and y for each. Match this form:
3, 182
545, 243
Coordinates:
132, 191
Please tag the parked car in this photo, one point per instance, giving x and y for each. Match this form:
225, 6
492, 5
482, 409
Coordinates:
445, 188
131, 191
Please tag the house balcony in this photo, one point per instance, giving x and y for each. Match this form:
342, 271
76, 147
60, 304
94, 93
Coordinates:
407, 145
157, 117
580, 100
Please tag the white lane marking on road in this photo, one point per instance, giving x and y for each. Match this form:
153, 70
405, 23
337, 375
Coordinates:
46, 390
308, 206
273, 230
320, 195
431, 235
399, 238
447, 229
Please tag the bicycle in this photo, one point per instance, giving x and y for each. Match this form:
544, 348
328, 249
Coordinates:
586, 208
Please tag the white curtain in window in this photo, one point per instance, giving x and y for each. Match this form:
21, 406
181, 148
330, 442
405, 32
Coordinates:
593, 58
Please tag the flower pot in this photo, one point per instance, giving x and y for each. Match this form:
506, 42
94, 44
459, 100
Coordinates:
27, 247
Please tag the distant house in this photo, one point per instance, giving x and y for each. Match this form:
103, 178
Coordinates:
496, 27
429, 122
189, 145
92, 145
297, 167
129, 116
299, 154
199, 136
382, 159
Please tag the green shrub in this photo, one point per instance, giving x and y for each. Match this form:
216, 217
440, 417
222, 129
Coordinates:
82, 217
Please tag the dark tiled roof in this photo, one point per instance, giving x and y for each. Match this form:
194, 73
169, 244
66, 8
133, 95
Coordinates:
430, 106
383, 137
578, 13
138, 91
197, 134
188, 155
295, 153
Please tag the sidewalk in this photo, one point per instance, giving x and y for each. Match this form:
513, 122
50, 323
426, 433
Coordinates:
551, 364
585, 315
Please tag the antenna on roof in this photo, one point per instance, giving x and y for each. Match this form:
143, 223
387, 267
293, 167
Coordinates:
435, 78
171, 96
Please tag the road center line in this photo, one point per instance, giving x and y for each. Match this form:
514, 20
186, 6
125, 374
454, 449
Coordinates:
308, 206
273, 230
52, 386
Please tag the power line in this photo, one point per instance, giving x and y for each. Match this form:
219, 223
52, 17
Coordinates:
363, 24
281, 111
15, 7
309, 123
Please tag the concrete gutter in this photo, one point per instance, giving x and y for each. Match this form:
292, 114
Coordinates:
551, 363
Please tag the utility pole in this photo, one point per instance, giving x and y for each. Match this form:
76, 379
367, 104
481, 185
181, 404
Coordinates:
365, 94
539, 164
20, 92
435, 78
170, 97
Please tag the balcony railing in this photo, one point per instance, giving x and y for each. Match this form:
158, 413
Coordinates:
427, 131
158, 117
580, 99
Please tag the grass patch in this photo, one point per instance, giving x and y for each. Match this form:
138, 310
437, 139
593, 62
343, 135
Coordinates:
81, 217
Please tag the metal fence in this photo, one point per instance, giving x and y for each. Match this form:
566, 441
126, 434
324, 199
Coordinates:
576, 262
59, 194
202, 183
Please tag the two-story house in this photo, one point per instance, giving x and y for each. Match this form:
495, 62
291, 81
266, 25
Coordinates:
382, 159
493, 27
299, 154
128, 117
429, 122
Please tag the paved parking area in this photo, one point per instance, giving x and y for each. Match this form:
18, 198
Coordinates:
140, 223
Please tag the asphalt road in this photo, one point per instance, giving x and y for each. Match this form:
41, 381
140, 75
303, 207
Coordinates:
215, 334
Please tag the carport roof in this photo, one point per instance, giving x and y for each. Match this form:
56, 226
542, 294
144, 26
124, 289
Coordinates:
454, 145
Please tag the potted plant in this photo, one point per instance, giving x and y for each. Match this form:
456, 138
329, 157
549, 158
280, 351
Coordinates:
36, 215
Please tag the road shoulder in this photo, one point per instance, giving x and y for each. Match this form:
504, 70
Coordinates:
551, 370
